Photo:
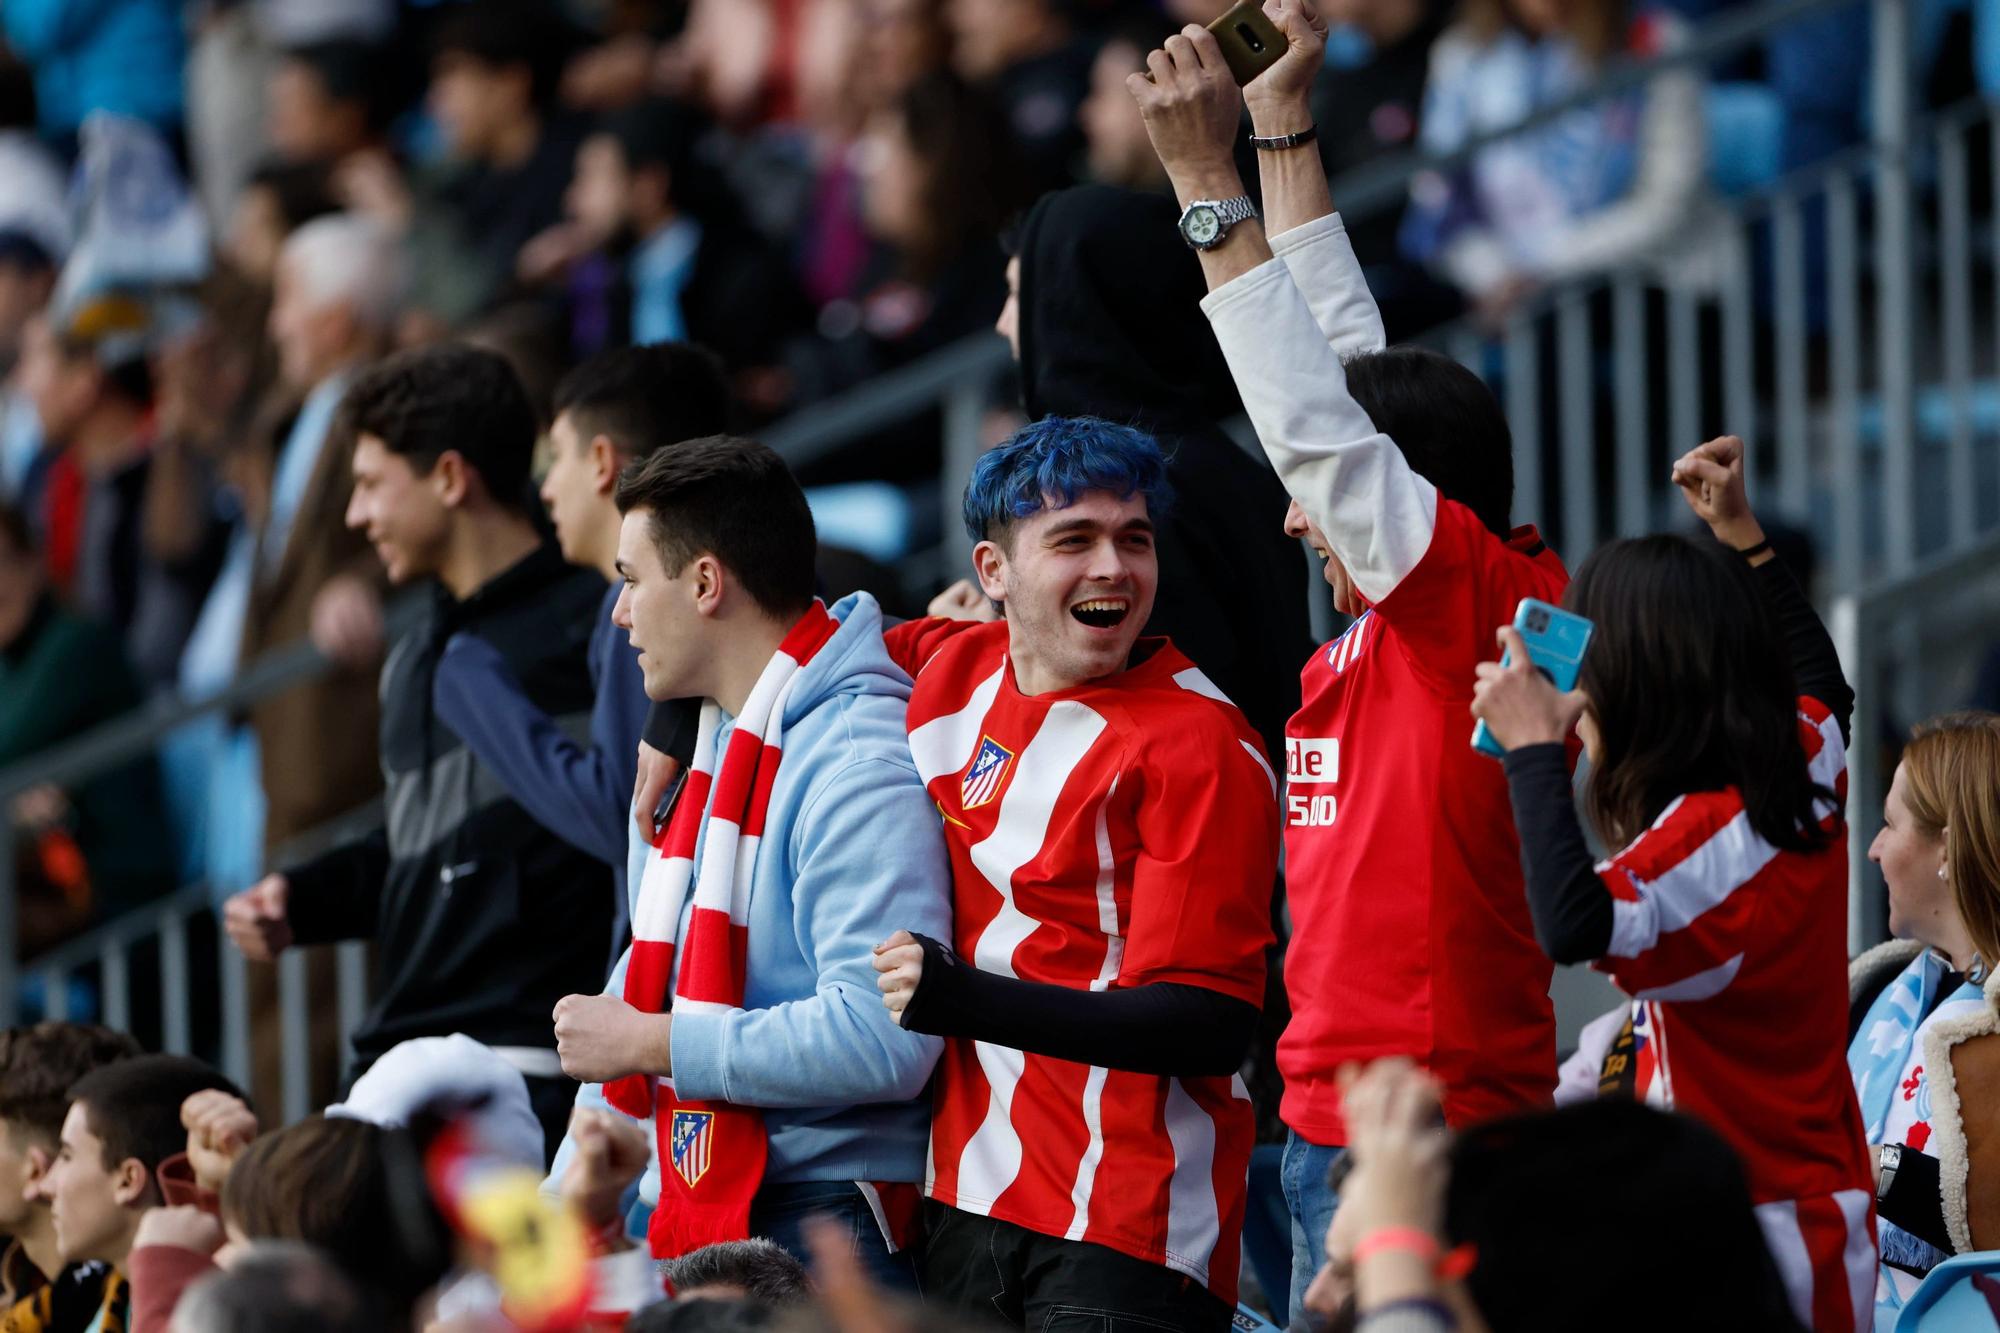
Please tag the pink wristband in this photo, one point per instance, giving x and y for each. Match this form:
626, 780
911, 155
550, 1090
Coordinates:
1411, 1240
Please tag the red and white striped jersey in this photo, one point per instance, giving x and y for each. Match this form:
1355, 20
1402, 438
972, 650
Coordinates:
1116, 834
1735, 954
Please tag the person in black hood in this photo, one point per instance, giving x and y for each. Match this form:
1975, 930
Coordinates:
482, 918
1104, 311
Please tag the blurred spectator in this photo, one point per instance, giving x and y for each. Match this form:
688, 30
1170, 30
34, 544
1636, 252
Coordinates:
1119, 153
326, 101
482, 918
741, 1270
123, 1123
749, 61
657, 249
275, 1287
1024, 54
303, 570
494, 71
122, 56
901, 41
37, 1067
34, 235
938, 181
102, 847
276, 201
1365, 103
1619, 183
91, 381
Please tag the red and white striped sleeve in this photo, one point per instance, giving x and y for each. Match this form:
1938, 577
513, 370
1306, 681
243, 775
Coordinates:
1685, 904
1680, 913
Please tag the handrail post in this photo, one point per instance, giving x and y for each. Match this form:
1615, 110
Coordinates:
10, 944
964, 403
1896, 337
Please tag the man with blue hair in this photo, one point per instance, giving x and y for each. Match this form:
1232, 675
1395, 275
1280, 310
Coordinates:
1112, 824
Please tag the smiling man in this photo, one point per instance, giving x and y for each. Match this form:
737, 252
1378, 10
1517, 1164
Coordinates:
1112, 824
482, 917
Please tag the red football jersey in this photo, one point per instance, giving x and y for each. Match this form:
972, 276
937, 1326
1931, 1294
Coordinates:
1735, 953
1116, 834
1410, 928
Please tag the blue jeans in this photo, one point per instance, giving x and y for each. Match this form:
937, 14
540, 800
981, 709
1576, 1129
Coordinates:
780, 1211
1311, 1204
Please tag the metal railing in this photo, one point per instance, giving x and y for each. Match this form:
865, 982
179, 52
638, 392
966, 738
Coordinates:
1551, 368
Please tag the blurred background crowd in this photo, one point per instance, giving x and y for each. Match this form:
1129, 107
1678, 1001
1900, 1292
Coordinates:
212, 214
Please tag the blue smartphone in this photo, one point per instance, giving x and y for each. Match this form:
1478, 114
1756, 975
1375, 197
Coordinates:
1556, 640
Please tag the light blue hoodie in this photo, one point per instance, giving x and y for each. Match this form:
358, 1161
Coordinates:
852, 851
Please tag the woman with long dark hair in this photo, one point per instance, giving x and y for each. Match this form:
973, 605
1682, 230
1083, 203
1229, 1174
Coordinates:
1715, 716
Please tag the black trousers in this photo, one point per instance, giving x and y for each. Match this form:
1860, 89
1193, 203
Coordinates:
1047, 1284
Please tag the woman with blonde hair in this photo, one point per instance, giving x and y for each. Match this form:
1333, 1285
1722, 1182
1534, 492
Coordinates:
1925, 1054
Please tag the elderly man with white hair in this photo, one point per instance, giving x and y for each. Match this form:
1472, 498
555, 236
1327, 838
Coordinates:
294, 569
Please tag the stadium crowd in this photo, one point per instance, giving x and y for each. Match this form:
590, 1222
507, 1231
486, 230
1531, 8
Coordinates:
752, 951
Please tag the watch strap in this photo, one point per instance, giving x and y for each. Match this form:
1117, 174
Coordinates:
1892, 1160
1272, 143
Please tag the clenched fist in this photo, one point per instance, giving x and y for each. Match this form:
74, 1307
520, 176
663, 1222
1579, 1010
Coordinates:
256, 919
601, 1038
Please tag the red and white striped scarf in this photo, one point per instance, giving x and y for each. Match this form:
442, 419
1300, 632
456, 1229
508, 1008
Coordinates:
712, 1153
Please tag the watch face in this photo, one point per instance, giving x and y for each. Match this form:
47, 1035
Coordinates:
1202, 225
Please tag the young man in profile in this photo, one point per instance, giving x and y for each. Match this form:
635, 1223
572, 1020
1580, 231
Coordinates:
482, 917
38, 1066
1112, 823
610, 411
123, 1122
747, 1030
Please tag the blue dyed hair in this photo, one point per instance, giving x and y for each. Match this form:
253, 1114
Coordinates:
1053, 462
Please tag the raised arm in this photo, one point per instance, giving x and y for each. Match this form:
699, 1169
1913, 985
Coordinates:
1351, 479
1711, 480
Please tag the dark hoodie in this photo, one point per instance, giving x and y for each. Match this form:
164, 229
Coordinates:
1111, 326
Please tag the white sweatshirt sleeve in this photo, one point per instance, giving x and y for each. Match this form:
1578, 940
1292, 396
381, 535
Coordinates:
1351, 479
1320, 258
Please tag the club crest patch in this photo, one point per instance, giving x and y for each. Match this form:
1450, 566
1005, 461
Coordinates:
690, 1144
982, 780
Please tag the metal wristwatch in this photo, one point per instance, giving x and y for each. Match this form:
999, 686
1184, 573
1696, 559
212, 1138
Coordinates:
1892, 1157
1205, 222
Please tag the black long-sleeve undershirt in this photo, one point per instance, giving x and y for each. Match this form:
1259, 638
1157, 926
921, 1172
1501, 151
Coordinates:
1815, 664
1165, 1028
1567, 902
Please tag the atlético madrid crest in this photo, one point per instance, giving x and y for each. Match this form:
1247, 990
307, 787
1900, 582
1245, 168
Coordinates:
690, 1144
982, 780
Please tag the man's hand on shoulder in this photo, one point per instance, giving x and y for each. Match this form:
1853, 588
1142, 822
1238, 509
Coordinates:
600, 1038
963, 600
